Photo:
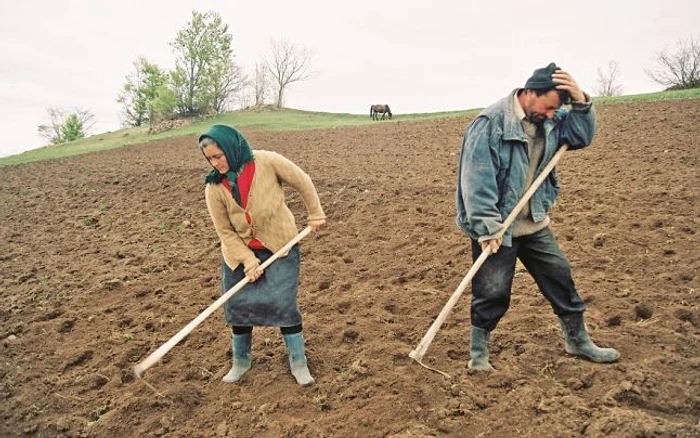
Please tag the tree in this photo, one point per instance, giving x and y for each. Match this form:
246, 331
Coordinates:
203, 60
72, 128
287, 64
86, 118
608, 81
52, 130
245, 97
679, 70
224, 84
139, 92
261, 84
64, 126
164, 106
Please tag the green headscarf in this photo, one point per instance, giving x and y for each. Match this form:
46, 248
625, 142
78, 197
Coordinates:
236, 150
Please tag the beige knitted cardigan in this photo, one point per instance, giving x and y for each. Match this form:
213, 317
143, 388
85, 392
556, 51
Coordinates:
272, 223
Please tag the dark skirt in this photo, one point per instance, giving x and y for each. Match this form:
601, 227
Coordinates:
271, 300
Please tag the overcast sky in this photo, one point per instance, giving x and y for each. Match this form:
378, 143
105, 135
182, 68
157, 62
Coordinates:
418, 56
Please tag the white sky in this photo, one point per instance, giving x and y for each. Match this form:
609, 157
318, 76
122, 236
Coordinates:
417, 56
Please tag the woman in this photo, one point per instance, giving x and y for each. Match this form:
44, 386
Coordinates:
246, 203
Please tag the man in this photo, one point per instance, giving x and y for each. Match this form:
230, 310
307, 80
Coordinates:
504, 150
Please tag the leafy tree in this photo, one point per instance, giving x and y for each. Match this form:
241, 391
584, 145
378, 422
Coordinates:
140, 90
203, 76
287, 64
608, 80
72, 128
679, 70
164, 106
64, 126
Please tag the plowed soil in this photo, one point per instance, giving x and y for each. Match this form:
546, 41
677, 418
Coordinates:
106, 256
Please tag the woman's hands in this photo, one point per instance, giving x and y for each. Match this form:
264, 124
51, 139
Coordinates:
317, 224
254, 273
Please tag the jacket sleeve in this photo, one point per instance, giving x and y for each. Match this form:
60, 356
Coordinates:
478, 168
578, 125
232, 246
292, 175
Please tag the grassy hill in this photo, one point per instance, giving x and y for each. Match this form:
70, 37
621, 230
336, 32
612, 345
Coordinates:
272, 119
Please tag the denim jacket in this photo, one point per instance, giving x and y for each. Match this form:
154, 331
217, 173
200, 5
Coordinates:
494, 160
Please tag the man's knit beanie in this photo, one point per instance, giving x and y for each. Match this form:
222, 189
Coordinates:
542, 77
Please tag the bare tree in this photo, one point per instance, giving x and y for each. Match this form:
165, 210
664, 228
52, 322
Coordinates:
257, 89
245, 97
608, 80
287, 64
66, 126
679, 70
86, 118
261, 84
52, 130
224, 86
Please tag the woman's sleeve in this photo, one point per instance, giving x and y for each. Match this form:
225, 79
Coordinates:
292, 175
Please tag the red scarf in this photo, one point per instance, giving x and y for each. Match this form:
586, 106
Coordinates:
244, 182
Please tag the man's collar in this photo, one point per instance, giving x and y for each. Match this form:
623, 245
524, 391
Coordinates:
517, 108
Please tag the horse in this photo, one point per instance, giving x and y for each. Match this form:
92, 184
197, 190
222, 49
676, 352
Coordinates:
377, 109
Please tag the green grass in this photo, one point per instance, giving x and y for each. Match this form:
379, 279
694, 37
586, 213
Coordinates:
693, 93
276, 120
95, 143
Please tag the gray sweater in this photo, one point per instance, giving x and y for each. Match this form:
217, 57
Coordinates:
524, 224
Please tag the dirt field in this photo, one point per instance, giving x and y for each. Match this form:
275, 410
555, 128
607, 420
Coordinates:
106, 256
